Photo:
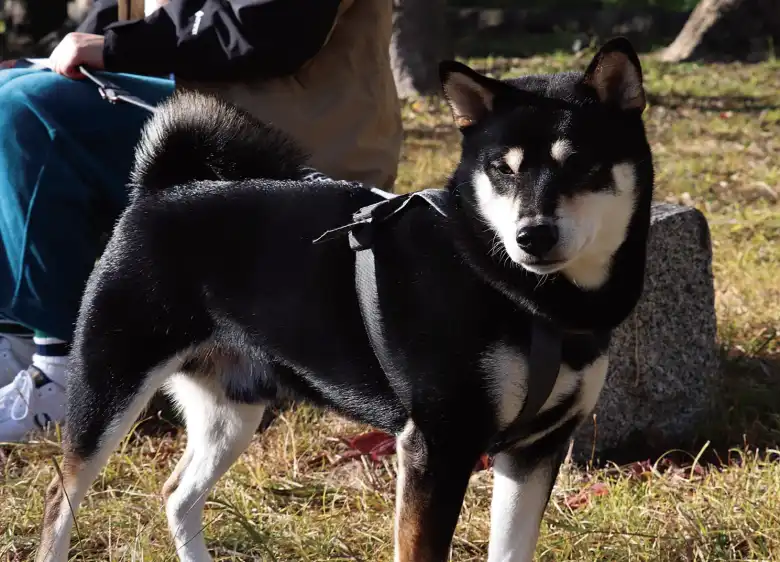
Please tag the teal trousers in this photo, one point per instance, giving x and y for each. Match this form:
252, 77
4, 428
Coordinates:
65, 158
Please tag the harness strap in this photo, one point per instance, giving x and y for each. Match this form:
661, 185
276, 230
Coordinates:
546, 340
368, 299
360, 233
543, 366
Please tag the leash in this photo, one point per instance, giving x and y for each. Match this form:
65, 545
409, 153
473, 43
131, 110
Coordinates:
113, 93
544, 361
108, 90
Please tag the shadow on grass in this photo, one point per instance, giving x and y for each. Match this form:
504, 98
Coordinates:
747, 410
745, 415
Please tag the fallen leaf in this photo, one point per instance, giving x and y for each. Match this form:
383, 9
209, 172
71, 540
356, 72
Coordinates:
599, 489
582, 498
376, 444
578, 500
484, 463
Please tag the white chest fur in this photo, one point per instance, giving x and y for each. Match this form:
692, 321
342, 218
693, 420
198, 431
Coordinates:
506, 369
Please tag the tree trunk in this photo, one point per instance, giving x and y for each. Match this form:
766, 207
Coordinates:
419, 43
727, 29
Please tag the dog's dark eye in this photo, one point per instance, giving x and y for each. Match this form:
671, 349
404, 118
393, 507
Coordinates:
502, 168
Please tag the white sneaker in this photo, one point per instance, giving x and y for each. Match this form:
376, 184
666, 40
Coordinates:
15, 354
33, 401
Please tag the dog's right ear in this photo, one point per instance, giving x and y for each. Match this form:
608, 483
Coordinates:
615, 74
469, 94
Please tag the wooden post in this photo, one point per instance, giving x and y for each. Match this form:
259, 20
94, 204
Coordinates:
131, 9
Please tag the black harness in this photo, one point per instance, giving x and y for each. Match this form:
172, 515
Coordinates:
546, 340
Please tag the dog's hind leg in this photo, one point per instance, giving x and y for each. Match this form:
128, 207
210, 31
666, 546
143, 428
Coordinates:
520, 496
97, 421
218, 431
432, 481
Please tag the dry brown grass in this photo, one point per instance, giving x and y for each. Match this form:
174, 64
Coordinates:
716, 136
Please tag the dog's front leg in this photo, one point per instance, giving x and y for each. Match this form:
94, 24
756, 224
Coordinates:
432, 480
520, 495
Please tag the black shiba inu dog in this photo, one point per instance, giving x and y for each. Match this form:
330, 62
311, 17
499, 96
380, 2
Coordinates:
212, 288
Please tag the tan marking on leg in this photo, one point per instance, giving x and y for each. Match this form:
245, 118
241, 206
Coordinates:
428, 499
410, 545
51, 511
407, 530
173, 480
66, 494
55, 504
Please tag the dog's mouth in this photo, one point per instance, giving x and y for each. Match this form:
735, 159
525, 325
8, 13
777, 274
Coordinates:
543, 267
550, 260
557, 259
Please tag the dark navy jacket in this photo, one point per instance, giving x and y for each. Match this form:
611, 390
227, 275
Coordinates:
214, 39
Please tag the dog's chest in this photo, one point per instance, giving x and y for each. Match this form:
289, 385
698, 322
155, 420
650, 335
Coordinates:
507, 375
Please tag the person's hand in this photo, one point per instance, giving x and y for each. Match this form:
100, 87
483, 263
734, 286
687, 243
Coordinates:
77, 49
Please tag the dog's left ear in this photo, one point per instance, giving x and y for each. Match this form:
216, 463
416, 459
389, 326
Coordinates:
616, 76
470, 95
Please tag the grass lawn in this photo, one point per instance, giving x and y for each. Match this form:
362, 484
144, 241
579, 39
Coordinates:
715, 132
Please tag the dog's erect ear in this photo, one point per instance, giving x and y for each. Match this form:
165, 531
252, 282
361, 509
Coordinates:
616, 75
469, 93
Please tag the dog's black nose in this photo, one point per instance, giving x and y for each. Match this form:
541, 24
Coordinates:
538, 239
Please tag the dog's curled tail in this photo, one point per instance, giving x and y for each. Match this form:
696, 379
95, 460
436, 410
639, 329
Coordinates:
195, 136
